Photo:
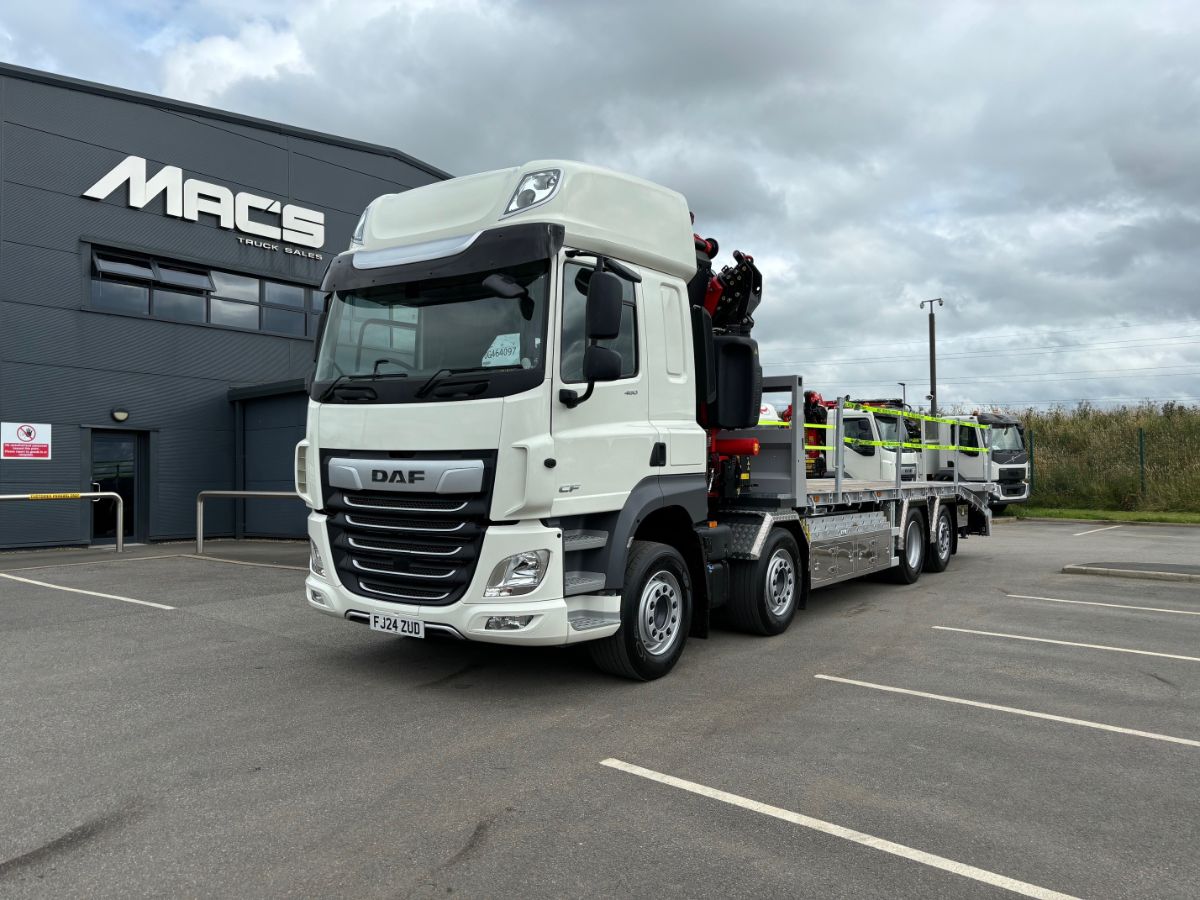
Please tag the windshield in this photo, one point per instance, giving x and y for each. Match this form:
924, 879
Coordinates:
395, 338
1006, 437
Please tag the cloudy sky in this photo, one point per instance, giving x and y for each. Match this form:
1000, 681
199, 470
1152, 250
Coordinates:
1037, 165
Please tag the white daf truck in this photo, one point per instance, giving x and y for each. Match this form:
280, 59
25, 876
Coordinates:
533, 420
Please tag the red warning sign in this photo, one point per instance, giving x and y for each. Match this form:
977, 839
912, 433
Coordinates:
24, 440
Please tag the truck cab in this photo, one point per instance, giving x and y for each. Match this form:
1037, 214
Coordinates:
868, 461
1001, 457
504, 400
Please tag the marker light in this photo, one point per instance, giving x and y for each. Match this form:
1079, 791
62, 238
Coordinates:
533, 189
520, 574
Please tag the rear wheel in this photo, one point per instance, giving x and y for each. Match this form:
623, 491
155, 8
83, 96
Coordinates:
912, 558
765, 593
656, 614
940, 549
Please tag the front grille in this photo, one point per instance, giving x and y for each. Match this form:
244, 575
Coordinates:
1011, 473
397, 547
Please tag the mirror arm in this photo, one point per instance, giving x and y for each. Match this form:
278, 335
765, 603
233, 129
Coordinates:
571, 399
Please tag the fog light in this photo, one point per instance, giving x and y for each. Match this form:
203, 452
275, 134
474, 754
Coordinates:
507, 623
314, 560
318, 598
520, 574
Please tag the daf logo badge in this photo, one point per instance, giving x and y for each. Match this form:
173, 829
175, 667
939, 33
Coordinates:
397, 476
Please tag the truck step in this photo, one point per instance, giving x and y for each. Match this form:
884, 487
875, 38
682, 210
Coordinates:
582, 583
578, 539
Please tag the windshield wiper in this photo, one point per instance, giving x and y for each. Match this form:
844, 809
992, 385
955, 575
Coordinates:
341, 381
433, 379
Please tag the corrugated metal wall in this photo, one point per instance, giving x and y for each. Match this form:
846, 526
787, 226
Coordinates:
64, 364
271, 427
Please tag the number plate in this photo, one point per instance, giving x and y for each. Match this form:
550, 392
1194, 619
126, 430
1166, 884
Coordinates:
398, 625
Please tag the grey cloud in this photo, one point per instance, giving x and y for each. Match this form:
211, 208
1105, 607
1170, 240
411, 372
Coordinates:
1035, 164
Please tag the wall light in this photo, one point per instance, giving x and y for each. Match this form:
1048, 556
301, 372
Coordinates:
118, 414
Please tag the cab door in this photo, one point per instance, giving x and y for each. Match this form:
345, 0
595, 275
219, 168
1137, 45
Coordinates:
602, 446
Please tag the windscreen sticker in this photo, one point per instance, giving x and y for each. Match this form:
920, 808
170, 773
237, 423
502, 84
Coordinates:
505, 351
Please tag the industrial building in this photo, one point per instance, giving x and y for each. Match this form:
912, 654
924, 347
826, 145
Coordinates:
159, 274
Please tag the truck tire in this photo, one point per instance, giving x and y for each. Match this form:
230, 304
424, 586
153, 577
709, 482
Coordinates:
916, 542
765, 592
656, 615
941, 548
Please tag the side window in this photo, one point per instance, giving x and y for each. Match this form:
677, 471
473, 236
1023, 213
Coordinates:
575, 279
859, 430
969, 437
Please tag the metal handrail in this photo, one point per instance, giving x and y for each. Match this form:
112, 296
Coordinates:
80, 495
200, 498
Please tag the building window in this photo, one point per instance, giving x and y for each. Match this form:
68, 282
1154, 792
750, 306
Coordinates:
141, 286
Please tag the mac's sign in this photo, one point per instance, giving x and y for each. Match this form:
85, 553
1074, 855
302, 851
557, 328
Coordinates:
187, 199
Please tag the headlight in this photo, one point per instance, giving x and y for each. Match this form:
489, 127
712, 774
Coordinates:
519, 574
534, 188
314, 559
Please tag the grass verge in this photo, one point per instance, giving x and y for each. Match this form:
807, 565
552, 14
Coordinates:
1103, 515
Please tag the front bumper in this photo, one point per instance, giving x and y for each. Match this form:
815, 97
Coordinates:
468, 616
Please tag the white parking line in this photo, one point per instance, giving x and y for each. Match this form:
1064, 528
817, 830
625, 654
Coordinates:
838, 831
1025, 637
59, 587
1094, 530
1180, 612
1012, 709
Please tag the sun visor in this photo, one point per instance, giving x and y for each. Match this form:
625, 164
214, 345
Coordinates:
487, 251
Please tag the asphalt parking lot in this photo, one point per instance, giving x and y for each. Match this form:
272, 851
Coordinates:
1000, 727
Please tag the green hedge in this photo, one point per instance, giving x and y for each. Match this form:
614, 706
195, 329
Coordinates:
1088, 458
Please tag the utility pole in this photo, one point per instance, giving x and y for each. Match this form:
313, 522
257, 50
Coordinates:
932, 354
903, 393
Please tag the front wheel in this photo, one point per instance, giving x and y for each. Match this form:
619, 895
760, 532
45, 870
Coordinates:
656, 614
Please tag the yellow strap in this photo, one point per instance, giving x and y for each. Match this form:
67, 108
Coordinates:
816, 447
884, 411
53, 496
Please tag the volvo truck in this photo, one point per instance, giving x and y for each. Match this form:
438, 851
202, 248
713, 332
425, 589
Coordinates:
995, 454
534, 420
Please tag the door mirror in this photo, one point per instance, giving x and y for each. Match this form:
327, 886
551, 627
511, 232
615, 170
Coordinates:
603, 306
601, 364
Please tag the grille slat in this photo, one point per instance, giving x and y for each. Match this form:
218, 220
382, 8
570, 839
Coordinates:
400, 547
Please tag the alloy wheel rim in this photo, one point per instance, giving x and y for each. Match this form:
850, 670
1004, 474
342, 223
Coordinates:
781, 583
912, 543
660, 614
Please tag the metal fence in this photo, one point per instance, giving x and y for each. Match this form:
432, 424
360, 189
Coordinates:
78, 495
204, 495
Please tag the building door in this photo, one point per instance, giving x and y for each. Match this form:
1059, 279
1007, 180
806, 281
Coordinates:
115, 468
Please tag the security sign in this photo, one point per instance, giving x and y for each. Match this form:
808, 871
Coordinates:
24, 440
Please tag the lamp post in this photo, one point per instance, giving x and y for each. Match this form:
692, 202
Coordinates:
932, 355
903, 393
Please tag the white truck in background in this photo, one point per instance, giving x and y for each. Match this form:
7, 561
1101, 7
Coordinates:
1006, 466
534, 420
866, 434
